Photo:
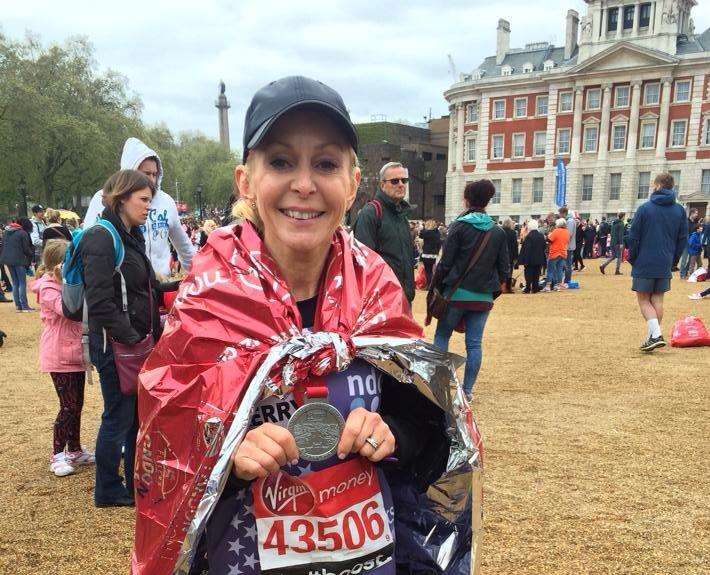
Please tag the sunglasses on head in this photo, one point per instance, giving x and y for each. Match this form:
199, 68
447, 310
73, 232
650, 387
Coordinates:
395, 181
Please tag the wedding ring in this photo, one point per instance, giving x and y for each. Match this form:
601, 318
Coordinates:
373, 442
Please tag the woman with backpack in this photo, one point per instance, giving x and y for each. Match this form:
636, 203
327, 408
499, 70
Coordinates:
60, 355
122, 311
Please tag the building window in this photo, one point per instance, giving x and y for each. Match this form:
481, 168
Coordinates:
619, 137
682, 91
471, 150
643, 185
517, 191
506, 71
540, 140
587, 184
706, 132
593, 99
496, 197
621, 97
628, 17
590, 138
648, 135
614, 186
675, 174
537, 190
612, 20
678, 133
548, 65
563, 136
652, 94
705, 182
521, 107
645, 15
565, 104
497, 151
541, 106
472, 113
440, 157
498, 109
426, 156
518, 145
527, 67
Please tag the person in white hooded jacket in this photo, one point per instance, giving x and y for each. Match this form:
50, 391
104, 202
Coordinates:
163, 223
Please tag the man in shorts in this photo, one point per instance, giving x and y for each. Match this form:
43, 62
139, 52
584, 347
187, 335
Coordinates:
657, 238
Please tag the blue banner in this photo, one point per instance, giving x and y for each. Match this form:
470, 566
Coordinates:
561, 192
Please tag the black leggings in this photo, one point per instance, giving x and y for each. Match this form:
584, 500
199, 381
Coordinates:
577, 257
428, 268
70, 389
532, 279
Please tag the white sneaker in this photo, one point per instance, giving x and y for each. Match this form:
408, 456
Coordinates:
83, 457
695, 296
60, 466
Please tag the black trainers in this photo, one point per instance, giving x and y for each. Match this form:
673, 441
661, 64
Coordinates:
652, 343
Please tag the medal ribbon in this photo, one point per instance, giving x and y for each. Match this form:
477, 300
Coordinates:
313, 387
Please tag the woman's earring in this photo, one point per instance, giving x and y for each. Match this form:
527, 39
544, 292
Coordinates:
253, 205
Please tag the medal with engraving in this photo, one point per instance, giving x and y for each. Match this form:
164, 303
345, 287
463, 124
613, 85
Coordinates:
316, 425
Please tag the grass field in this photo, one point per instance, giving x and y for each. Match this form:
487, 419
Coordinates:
596, 454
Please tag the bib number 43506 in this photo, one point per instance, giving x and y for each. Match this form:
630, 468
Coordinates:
351, 530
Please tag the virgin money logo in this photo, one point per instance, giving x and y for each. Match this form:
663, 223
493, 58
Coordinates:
284, 494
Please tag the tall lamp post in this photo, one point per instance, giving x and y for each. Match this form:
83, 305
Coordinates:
198, 198
22, 192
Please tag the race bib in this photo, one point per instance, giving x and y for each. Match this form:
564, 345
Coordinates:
328, 522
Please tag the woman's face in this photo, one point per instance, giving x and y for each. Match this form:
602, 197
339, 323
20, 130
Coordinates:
302, 182
135, 208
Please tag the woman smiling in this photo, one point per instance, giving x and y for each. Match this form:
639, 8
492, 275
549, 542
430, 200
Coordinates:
285, 430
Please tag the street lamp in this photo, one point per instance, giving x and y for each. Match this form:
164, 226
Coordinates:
22, 192
198, 197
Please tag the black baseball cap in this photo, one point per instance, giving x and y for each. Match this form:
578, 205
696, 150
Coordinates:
37, 208
281, 96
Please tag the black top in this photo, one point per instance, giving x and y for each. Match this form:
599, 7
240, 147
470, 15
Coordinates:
492, 268
103, 285
532, 252
512, 239
432, 241
17, 248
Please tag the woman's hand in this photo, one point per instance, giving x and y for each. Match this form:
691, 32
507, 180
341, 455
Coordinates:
361, 425
264, 450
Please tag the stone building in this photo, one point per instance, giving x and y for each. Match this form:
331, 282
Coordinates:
422, 149
626, 97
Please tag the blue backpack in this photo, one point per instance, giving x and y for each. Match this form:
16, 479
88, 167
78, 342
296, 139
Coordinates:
73, 296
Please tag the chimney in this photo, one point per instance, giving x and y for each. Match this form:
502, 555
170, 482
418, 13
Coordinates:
503, 40
571, 30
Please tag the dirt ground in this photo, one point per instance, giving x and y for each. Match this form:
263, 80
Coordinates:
596, 454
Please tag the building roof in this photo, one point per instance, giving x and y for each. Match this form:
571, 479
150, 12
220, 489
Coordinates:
694, 44
517, 58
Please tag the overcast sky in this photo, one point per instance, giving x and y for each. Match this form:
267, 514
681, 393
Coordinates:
385, 58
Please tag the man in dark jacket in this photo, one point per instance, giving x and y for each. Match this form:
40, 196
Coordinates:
657, 237
383, 225
617, 244
17, 254
532, 257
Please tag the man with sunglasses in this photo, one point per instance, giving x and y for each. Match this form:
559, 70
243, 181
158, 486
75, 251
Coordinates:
383, 225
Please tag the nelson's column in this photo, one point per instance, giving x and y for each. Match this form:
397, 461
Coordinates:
223, 106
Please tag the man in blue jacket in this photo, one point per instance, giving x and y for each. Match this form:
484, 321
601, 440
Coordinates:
657, 238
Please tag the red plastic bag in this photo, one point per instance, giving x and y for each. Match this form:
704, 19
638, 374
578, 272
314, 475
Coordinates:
420, 278
689, 332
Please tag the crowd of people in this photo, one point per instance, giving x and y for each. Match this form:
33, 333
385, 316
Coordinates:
287, 266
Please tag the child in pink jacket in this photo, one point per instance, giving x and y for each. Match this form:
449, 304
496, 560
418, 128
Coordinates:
60, 355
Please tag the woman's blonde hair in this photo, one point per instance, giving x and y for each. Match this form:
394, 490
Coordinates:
244, 209
52, 256
429, 225
52, 216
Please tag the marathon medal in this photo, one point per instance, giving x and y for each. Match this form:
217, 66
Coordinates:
316, 425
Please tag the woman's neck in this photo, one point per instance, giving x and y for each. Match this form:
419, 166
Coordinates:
302, 271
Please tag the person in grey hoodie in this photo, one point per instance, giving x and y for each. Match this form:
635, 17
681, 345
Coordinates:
657, 238
571, 245
163, 225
